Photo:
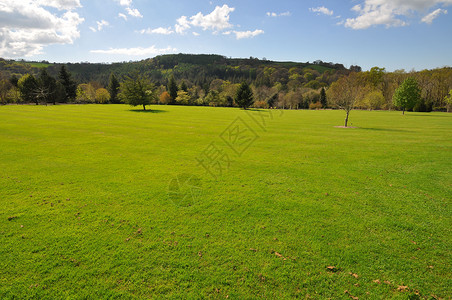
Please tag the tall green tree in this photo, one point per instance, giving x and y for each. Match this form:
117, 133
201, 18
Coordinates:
407, 94
137, 90
27, 85
244, 96
448, 100
183, 86
14, 80
323, 99
69, 85
172, 88
113, 89
46, 90
5, 86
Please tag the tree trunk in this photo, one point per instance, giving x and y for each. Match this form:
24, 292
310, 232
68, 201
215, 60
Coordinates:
403, 111
346, 118
144, 107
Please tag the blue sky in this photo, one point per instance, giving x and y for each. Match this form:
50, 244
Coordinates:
395, 34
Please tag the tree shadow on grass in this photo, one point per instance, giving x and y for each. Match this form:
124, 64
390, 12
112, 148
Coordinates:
383, 129
151, 111
427, 115
253, 109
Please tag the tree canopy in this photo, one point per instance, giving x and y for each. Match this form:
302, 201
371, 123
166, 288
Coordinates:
27, 85
244, 97
137, 90
70, 85
407, 94
345, 92
113, 88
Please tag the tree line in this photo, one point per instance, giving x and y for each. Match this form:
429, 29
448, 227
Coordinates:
212, 80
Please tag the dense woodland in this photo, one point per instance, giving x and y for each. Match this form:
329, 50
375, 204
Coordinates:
214, 80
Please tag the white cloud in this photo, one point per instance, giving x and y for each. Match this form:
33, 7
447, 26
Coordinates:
389, 12
217, 20
129, 9
26, 27
182, 25
160, 30
101, 24
433, 15
134, 12
125, 2
274, 15
322, 10
139, 51
60, 4
244, 34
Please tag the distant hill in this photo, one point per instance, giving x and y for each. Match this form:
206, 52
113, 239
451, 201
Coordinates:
199, 69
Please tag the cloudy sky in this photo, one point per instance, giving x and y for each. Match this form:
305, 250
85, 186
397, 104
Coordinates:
395, 34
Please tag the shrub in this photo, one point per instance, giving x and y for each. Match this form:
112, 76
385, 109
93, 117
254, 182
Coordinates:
315, 105
261, 104
165, 98
422, 106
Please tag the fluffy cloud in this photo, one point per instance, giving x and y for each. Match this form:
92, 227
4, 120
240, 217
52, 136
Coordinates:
134, 12
217, 20
60, 4
100, 25
322, 10
26, 27
389, 12
433, 15
274, 15
129, 9
125, 2
139, 51
160, 30
244, 34
182, 24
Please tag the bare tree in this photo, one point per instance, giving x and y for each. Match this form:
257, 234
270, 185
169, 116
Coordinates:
345, 92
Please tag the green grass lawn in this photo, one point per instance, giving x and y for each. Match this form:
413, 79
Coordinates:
104, 201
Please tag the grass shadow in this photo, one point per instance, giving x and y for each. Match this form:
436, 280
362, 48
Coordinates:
253, 109
383, 129
151, 111
427, 115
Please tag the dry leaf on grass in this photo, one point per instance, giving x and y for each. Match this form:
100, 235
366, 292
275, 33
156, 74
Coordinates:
332, 269
402, 288
348, 293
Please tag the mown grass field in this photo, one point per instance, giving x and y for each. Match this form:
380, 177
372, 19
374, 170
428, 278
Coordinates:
91, 208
